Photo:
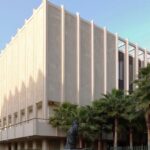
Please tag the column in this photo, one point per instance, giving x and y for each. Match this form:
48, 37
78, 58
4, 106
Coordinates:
136, 62
126, 67
34, 60
92, 60
105, 60
25, 145
62, 51
78, 57
26, 72
6, 147
61, 145
136, 66
44, 102
116, 51
145, 57
44, 145
2, 147
12, 146
18, 146
34, 145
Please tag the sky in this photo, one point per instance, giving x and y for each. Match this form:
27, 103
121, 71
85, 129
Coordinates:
129, 18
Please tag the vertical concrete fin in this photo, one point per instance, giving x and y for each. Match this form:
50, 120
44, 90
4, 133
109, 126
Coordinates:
126, 68
136, 62
44, 63
78, 57
105, 60
92, 60
62, 51
116, 60
145, 57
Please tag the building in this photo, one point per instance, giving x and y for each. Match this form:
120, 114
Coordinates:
57, 57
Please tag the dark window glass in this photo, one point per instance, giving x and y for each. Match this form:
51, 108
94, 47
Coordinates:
121, 70
130, 74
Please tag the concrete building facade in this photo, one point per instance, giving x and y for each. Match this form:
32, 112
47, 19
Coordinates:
55, 57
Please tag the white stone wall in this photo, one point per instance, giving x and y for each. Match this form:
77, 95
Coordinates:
70, 88
22, 68
99, 64
79, 58
55, 57
112, 62
85, 63
53, 54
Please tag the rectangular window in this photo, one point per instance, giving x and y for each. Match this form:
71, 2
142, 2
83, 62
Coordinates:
130, 74
121, 70
39, 110
30, 112
0, 124
140, 64
15, 118
9, 120
22, 115
4, 122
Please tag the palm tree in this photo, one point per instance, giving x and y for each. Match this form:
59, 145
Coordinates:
88, 128
101, 118
114, 103
93, 121
143, 95
132, 116
90, 119
63, 116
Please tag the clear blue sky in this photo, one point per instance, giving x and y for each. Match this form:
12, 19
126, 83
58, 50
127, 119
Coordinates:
129, 18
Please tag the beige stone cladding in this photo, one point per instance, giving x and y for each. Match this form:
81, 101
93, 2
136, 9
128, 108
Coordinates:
55, 57
22, 71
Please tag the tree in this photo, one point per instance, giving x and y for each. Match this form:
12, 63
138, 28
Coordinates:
88, 128
89, 119
142, 93
93, 122
63, 116
114, 102
132, 116
101, 118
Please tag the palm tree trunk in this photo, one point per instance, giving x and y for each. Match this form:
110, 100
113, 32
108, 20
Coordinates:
147, 118
131, 139
148, 135
100, 142
80, 143
115, 133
